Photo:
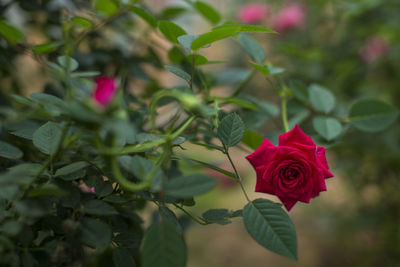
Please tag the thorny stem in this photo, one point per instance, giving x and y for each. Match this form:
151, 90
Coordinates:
238, 179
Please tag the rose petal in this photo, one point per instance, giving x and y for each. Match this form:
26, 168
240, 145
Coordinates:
264, 153
288, 202
296, 135
321, 159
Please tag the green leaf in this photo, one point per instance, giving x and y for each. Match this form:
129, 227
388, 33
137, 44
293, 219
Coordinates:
152, 21
47, 138
231, 130
106, 7
170, 30
68, 63
187, 40
178, 72
122, 258
47, 190
95, 233
225, 31
9, 151
73, 167
82, 22
190, 185
172, 12
218, 216
46, 48
244, 103
253, 48
321, 99
271, 227
99, 207
299, 90
163, 246
328, 128
10, 33
207, 12
252, 139
11, 228
261, 68
372, 115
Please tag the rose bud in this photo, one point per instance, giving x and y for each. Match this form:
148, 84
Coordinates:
104, 91
374, 49
290, 17
252, 13
295, 170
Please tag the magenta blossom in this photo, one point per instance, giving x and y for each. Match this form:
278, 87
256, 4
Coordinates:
375, 48
290, 17
252, 13
86, 189
295, 170
104, 91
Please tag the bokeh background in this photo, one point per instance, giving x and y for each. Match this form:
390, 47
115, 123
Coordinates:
351, 47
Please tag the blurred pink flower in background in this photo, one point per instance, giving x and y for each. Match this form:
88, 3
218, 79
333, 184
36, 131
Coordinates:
375, 48
291, 16
86, 189
252, 13
104, 91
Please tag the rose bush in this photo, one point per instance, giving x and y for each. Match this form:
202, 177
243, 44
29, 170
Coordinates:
293, 171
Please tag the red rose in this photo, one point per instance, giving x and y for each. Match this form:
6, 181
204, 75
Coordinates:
293, 171
104, 91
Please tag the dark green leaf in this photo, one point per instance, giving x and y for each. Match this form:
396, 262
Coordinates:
95, 233
10, 33
207, 12
164, 241
71, 168
190, 185
261, 68
218, 216
271, 227
178, 72
170, 30
172, 12
11, 228
152, 21
99, 207
47, 138
9, 151
252, 48
372, 115
252, 139
231, 129
321, 99
122, 258
46, 190
329, 128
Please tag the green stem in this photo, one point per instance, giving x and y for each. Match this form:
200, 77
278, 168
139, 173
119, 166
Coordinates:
192, 73
238, 179
284, 114
202, 222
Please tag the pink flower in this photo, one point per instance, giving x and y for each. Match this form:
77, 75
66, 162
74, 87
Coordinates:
104, 91
295, 170
375, 48
290, 17
86, 189
252, 13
